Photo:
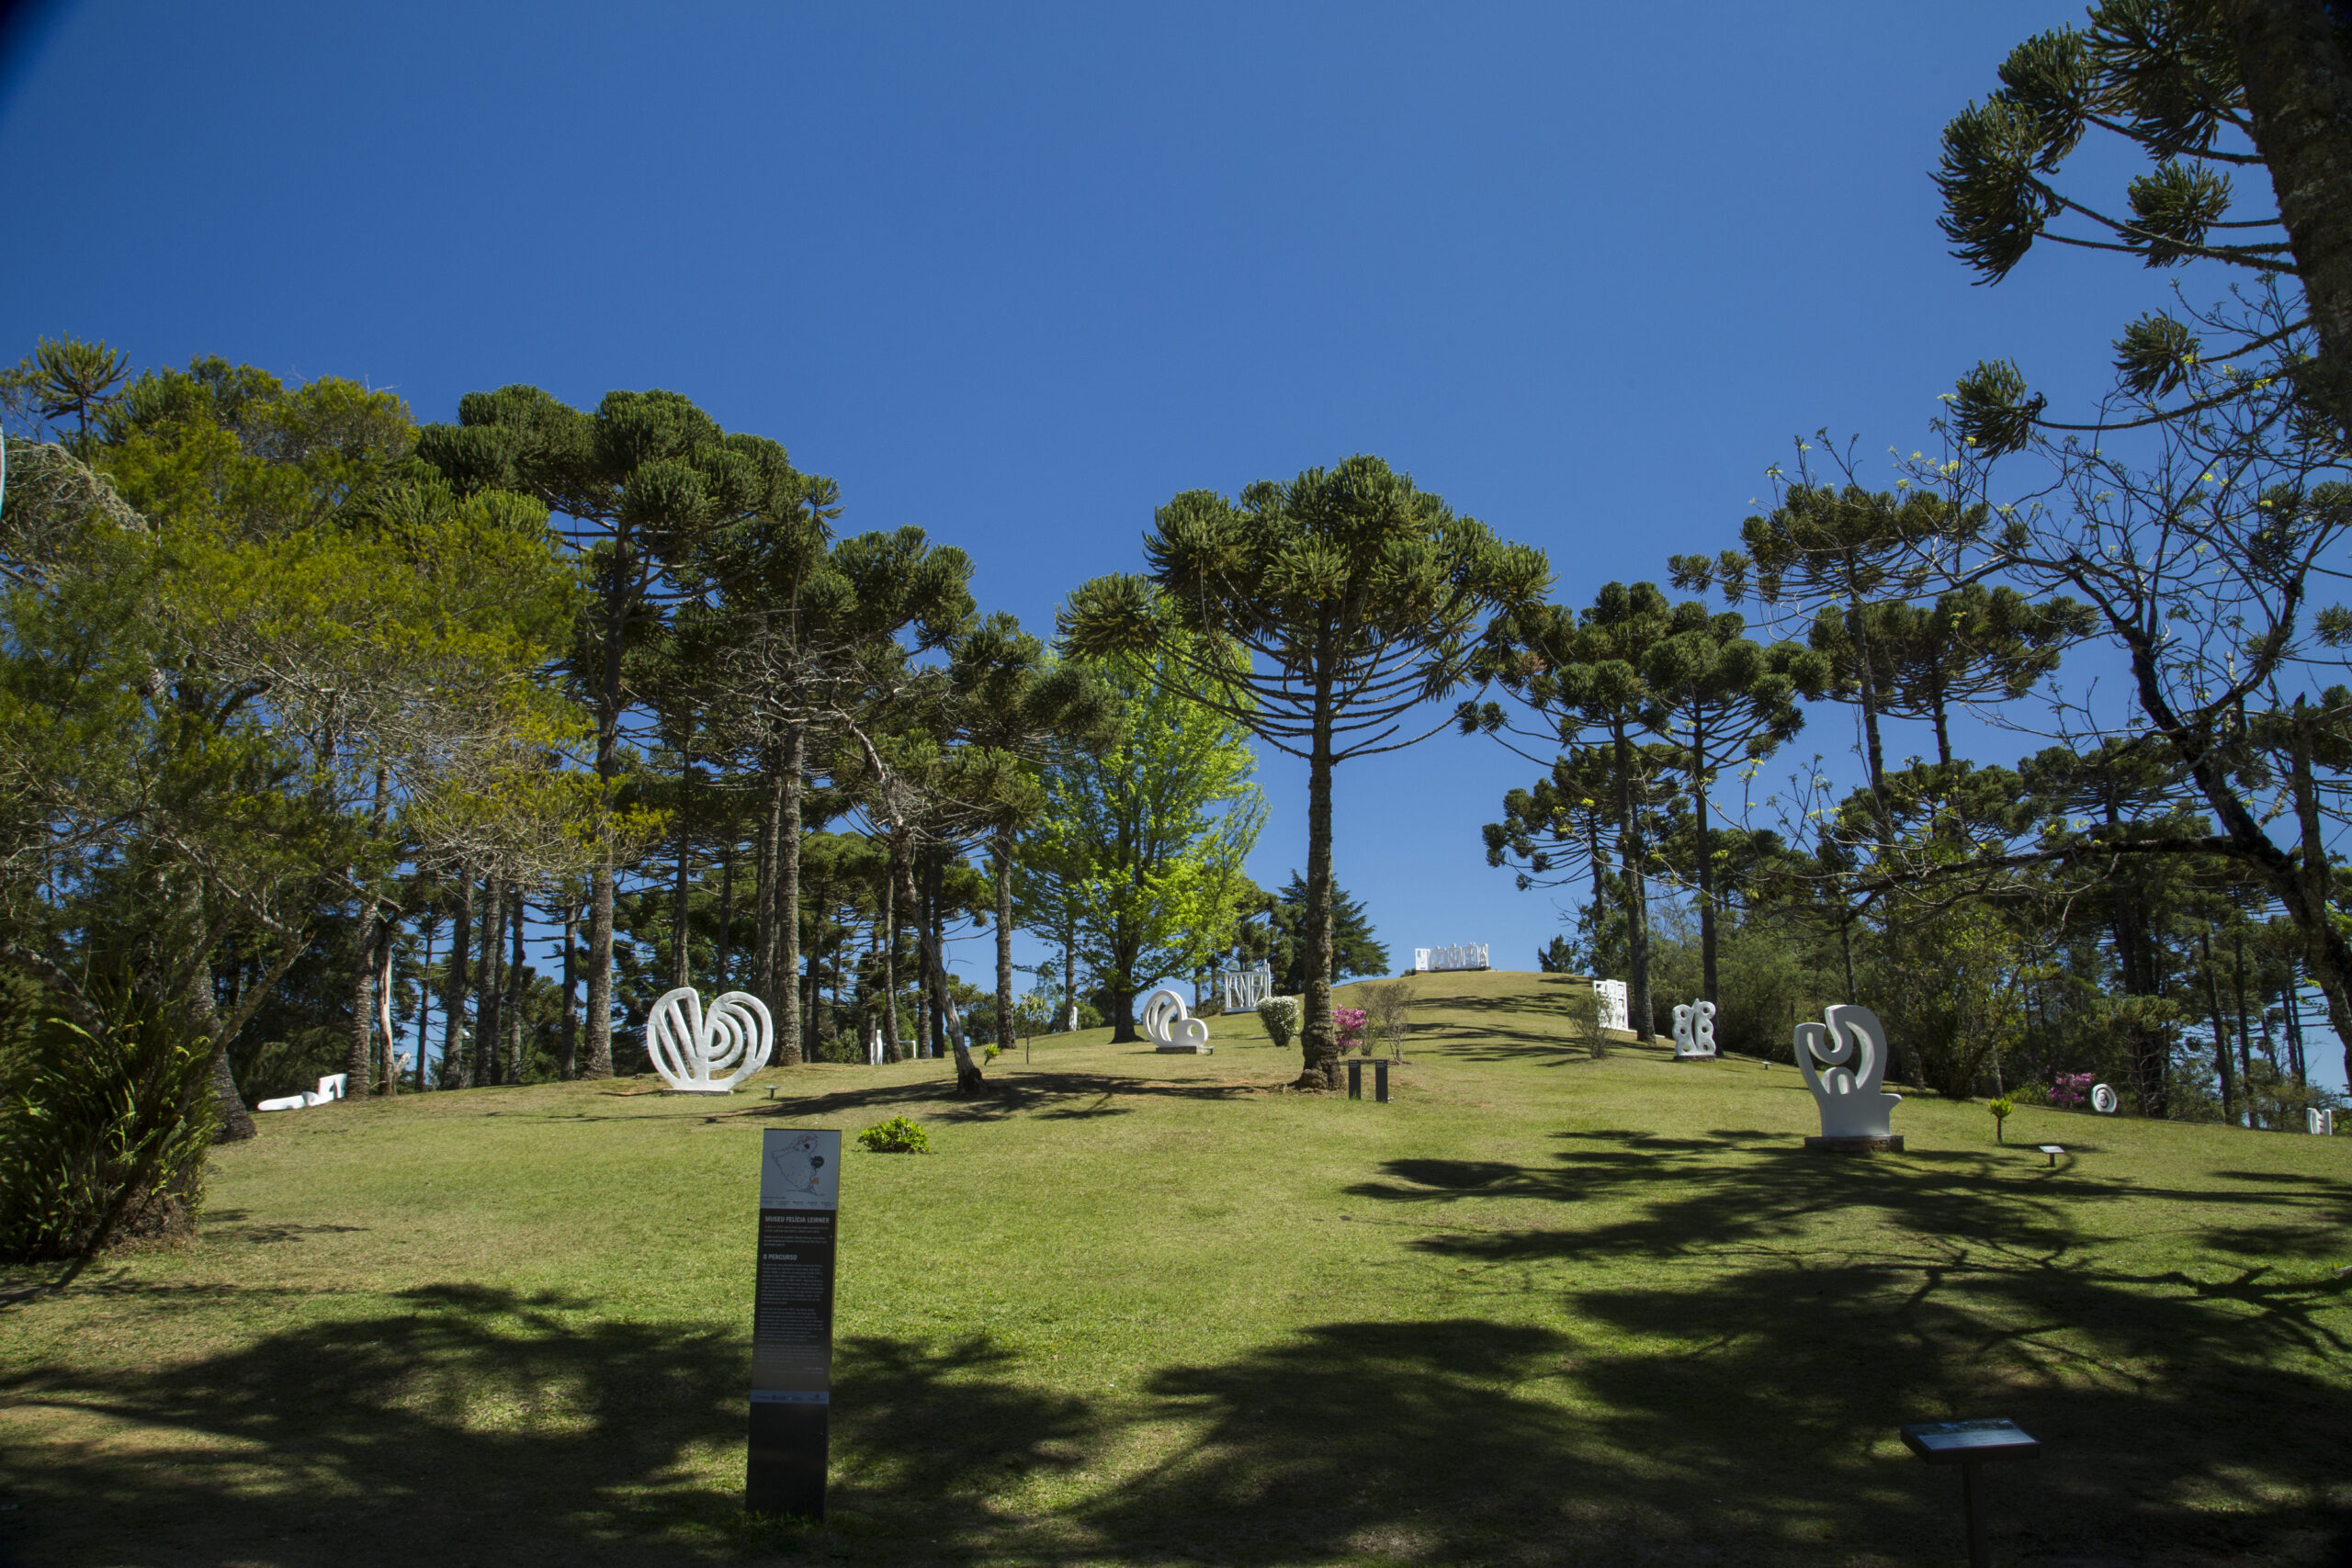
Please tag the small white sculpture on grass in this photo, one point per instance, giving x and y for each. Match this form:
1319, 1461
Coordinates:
330, 1088
691, 1049
1694, 1032
1613, 1014
1844, 1061
874, 1048
2320, 1121
1170, 1026
2104, 1099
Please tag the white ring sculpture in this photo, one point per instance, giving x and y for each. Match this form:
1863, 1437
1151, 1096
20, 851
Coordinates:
1844, 1061
1694, 1032
691, 1048
2103, 1100
1170, 1026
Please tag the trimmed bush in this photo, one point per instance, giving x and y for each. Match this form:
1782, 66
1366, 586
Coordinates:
897, 1136
1281, 1016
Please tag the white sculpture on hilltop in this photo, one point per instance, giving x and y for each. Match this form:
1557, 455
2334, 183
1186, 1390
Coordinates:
1694, 1032
1245, 988
330, 1088
691, 1048
2320, 1121
1612, 996
1170, 1026
1844, 1061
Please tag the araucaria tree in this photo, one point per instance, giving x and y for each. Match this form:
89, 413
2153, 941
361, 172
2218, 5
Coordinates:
1318, 612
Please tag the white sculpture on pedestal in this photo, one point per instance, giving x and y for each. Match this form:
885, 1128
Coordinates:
2104, 1101
1694, 1032
330, 1088
1245, 988
690, 1048
2319, 1121
1844, 1061
1170, 1026
1612, 996
874, 1048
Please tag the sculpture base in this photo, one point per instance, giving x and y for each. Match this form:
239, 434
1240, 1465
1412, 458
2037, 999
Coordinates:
1680, 1058
714, 1089
1891, 1145
1186, 1049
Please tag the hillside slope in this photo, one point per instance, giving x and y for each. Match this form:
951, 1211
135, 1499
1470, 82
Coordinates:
1143, 1309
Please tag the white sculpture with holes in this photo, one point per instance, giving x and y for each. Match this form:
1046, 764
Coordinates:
1844, 1061
1694, 1032
2104, 1101
699, 1053
1170, 1026
1611, 996
330, 1088
2320, 1121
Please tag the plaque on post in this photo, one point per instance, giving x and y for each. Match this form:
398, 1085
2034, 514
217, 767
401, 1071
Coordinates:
792, 1322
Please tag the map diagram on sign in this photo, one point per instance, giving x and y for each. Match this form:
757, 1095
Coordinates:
800, 1170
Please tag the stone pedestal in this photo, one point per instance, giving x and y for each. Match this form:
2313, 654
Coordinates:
1891, 1144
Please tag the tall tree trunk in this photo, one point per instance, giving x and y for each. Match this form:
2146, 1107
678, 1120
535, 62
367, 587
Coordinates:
425, 993
2292, 61
1319, 1038
2294, 1017
891, 1051
390, 1087
1632, 855
517, 976
493, 980
2245, 1034
727, 917
681, 946
787, 878
359, 1054
763, 943
1001, 864
567, 1065
934, 870
1706, 861
600, 972
457, 1062
2222, 1064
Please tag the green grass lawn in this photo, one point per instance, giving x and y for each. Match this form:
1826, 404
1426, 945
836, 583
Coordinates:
1143, 1309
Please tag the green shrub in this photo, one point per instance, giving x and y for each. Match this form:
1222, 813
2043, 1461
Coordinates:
1279, 1015
102, 1135
897, 1136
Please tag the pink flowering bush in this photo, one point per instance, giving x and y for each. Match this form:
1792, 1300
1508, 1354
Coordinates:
2069, 1090
1349, 1023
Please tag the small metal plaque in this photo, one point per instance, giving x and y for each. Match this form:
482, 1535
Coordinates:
1968, 1442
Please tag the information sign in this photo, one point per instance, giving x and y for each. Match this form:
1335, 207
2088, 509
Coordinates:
792, 1322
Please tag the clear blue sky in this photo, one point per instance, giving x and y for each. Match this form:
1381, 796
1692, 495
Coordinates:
1018, 274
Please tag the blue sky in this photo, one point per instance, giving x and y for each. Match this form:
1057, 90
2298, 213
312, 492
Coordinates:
1019, 274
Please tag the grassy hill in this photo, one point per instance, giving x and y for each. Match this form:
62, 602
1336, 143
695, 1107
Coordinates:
1142, 1309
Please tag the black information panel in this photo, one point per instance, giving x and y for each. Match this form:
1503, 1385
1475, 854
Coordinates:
792, 1323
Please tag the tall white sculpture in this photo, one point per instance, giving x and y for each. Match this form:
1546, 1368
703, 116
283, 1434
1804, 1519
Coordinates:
2103, 1100
2319, 1121
1245, 988
874, 1048
1844, 1061
1611, 995
1170, 1026
691, 1048
1694, 1032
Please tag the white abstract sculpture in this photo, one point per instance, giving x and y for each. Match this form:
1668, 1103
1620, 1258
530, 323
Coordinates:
1844, 1061
2319, 1121
330, 1088
1470, 955
1694, 1032
1170, 1026
1245, 988
874, 1048
690, 1048
1611, 995
2103, 1100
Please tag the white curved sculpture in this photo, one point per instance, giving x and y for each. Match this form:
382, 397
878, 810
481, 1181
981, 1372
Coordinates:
691, 1048
1844, 1061
330, 1088
2320, 1121
2104, 1101
1170, 1026
1694, 1032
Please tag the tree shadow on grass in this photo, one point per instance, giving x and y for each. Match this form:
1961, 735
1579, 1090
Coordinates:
476, 1425
2191, 1412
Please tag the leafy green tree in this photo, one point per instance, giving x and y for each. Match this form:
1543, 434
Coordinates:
1975, 644
1145, 838
1320, 614
645, 479
1354, 950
